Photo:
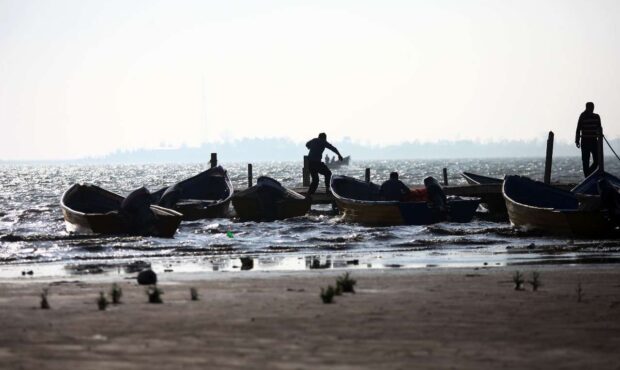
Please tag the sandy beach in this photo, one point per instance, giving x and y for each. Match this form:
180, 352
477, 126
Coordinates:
414, 318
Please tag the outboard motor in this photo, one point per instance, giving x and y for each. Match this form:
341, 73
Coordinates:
171, 196
436, 195
136, 209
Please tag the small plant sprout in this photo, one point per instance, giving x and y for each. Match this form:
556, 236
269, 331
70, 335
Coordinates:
535, 282
345, 283
517, 278
116, 293
579, 291
44, 303
102, 302
193, 293
327, 295
154, 294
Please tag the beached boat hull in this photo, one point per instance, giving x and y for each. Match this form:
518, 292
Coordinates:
354, 199
269, 201
205, 195
405, 213
105, 218
533, 205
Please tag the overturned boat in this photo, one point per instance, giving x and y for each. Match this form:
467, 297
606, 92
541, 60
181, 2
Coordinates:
268, 200
205, 195
88, 208
537, 206
360, 202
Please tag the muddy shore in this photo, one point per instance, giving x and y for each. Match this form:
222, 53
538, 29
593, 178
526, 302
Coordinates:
409, 318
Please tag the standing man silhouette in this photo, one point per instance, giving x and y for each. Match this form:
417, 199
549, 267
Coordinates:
316, 167
587, 125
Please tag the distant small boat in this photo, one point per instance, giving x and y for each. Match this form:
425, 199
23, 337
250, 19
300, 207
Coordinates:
268, 200
535, 205
475, 179
205, 195
336, 163
358, 201
91, 209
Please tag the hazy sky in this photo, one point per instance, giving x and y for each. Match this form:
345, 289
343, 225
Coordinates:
83, 78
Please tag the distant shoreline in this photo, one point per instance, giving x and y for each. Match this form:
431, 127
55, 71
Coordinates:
275, 149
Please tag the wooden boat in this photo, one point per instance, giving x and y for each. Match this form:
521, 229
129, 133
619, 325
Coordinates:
358, 201
493, 201
268, 200
475, 179
205, 195
535, 205
335, 164
589, 186
90, 209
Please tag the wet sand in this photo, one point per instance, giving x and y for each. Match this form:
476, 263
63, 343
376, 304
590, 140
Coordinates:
415, 318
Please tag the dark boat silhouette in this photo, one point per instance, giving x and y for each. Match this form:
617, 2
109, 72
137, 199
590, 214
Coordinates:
268, 200
359, 202
537, 206
91, 209
205, 195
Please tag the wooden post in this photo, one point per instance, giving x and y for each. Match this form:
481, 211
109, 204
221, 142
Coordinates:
213, 160
249, 175
306, 172
601, 157
367, 175
549, 158
445, 176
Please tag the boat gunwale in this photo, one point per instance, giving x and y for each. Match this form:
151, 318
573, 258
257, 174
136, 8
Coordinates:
160, 210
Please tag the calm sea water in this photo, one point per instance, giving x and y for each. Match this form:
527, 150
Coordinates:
33, 236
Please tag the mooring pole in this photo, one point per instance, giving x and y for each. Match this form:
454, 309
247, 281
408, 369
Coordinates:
306, 172
213, 160
249, 175
549, 158
445, 176
601, 156
367, 175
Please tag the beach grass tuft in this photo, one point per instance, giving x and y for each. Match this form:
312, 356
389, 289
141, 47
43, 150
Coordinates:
116, 293
102, 302
44, 303
517, 278
154, 294
193, 292
345, 283
327, 295
535, 282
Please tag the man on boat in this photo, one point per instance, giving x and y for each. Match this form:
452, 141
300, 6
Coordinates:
394, 189
587, 126
316, 167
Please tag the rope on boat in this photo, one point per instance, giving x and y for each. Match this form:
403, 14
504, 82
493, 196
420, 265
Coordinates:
612, 149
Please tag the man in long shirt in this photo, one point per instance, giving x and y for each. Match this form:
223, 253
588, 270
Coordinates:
316, 167
393, 189
588, 123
